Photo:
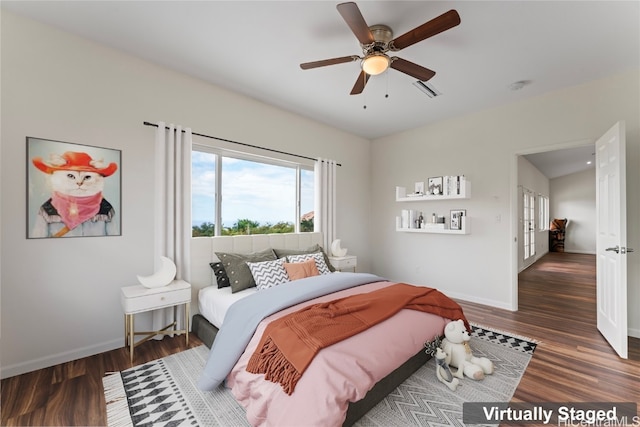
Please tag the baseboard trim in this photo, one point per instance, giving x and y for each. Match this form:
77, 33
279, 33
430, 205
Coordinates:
477, 300
577, 251
56, 359
635, 333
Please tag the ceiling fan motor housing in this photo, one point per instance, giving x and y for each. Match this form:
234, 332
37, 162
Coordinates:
382, 35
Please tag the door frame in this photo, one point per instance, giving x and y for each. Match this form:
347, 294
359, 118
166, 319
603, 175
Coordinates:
513, 191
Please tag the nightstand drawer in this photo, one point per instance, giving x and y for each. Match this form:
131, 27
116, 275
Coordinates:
136, 299
346, 262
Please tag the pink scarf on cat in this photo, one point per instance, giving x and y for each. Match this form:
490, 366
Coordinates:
75, 210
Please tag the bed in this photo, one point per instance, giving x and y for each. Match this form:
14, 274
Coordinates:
345, 400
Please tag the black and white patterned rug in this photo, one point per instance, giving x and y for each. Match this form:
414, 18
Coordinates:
421, 400
164, 392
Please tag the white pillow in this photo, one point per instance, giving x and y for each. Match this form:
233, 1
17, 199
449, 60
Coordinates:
317, 257
268, 274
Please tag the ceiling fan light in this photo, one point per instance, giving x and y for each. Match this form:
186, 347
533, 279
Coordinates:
375, 64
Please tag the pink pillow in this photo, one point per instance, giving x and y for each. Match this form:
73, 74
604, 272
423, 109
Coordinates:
300, 270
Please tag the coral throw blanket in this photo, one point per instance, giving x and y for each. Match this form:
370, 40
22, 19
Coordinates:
289, 344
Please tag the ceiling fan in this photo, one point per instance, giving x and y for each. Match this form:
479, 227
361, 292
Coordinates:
377, 41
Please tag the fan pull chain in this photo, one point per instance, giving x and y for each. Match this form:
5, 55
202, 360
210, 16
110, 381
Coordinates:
386, 95
364, 76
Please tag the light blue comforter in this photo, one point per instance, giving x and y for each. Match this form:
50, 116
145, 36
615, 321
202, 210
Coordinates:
243, 318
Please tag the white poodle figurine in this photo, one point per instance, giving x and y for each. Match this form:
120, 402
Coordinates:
443, 372
458, 353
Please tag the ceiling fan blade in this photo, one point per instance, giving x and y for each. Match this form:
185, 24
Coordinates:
414, 70
363, 78
429, 29
354, 19
325, 62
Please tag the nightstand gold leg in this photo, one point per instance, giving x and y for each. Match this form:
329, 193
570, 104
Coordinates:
131, 339
186, 323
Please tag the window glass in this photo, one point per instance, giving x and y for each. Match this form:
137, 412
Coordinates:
257, 198
203, 193
544, 213
307, 200
529, 224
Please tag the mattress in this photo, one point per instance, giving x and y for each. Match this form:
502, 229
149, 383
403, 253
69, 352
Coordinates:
213, 302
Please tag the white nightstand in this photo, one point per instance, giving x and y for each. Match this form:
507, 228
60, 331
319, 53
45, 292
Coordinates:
344, 262
138, 299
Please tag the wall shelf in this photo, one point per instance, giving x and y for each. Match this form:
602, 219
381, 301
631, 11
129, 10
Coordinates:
465, 193
461, 189
466, 229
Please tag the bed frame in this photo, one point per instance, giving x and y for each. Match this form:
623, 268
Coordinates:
203, 252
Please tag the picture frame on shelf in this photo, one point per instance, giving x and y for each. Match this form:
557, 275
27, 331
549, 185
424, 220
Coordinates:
455, 218
434, 187
418, 188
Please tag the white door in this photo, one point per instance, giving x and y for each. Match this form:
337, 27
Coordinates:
611, 244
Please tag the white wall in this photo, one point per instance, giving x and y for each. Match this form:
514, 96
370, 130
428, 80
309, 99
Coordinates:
531, 178
60, 297
482, 266
574, 197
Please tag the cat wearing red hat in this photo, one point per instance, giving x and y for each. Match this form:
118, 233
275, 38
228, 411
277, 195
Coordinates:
76, 206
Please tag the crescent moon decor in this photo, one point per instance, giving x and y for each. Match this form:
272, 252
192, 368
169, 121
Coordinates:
336, 250
162, 277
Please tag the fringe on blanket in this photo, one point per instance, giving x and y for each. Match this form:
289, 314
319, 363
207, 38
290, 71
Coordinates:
116, 398
276, 368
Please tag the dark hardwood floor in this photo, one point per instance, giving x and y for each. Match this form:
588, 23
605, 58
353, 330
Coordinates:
71, 394
573, 362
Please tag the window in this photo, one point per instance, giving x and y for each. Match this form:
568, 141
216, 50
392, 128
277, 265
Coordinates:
543, 207
528, 223
242, 194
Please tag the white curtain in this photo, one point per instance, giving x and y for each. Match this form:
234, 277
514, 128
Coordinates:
172, 225
325, 201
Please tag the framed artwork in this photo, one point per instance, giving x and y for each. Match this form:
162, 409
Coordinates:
435, 186
418, 187
455, 219
73, 190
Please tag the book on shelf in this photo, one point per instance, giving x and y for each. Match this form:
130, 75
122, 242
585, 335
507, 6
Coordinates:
409, 218
453, 185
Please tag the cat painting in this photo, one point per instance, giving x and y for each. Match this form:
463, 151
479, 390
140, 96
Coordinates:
76, 206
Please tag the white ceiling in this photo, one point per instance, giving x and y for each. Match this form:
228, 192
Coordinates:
255, 48
557, 163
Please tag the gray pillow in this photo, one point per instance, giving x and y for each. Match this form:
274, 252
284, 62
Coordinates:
281, 253
240, 277
221, 276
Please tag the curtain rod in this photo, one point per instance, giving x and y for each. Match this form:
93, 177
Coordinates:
240, 143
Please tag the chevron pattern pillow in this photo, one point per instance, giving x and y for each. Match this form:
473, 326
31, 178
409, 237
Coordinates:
317, 257
268, 274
